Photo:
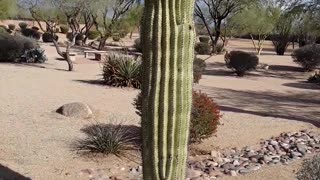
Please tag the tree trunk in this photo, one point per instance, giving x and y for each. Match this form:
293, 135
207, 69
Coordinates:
218, 32
65, 55
168, 39
102, 42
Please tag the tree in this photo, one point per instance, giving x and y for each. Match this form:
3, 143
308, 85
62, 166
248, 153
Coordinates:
258, 27
105, 24
168, 37
214, 12
7, 8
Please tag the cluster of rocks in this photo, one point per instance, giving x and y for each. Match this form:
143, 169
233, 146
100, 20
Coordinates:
278, 150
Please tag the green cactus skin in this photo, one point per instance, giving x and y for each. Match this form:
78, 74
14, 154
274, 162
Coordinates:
168, 39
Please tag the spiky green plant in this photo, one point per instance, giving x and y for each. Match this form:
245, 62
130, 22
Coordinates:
168, 51
122, 71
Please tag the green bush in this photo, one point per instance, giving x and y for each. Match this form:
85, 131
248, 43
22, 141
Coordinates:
109, 139
48, 37
3, 29
64, 29
205, 116
199, 66
219, 49
204, 39
137, 45
23, 25
203, 48
93, 35
307, 56
315, 78
31, 33
34, 56
79, 37
116, 37
310, 169
241, 62
13, 47
122, 71
12, 27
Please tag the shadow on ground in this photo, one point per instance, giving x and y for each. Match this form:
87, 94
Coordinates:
8, 174
92, 82
291, 105
303, 85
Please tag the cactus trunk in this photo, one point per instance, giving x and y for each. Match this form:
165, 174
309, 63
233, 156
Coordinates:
168, 51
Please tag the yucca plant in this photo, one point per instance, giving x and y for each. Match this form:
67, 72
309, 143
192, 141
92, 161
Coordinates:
122, 71
108, 139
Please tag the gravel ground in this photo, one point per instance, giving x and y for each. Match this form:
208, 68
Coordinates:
35, 141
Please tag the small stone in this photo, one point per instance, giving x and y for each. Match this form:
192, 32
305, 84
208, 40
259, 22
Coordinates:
302, 148
270, 148
236, 163
233, 173
191, 173
76, 110
295, 154
274, 143
267, 159
215, 154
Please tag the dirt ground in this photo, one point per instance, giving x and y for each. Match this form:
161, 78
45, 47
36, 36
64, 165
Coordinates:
36, 142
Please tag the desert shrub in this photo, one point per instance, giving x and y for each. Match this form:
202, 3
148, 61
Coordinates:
35, 55
203, 48
35, 28
23, 25
137, 45
12, 27
48, 37
219, 49
79, 37
13, 47
315, 78
116, 37
199, 66
205, 116
64, 29
93, 35
241, 62
280, 43
310, 169
122, 71
3, 29
31, 33
204, 39
108, 139
57, 30
307, 56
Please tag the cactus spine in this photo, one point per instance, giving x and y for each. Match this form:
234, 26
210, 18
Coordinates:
168, 51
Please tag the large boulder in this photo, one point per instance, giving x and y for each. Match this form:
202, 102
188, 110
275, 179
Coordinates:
76, 110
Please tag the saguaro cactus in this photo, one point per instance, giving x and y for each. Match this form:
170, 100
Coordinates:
168, 52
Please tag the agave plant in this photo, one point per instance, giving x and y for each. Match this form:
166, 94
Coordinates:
122, 71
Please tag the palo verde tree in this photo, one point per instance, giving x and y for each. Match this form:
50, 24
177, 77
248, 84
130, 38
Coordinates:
8, 8
213, 12
109, 13
258, 27
168, 39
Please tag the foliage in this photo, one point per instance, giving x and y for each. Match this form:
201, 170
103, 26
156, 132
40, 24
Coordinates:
203, 48
13, 47
307, 56
12, 27
199, 66
310, 169
93, 34
8, 8
31, 33
108, 139
48, 37
23, 25
204, 117
219, 48
64, 29
241, 62
3, 29
122, 71
315, 78
204, 39
137, 45
35, 55
116, 37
